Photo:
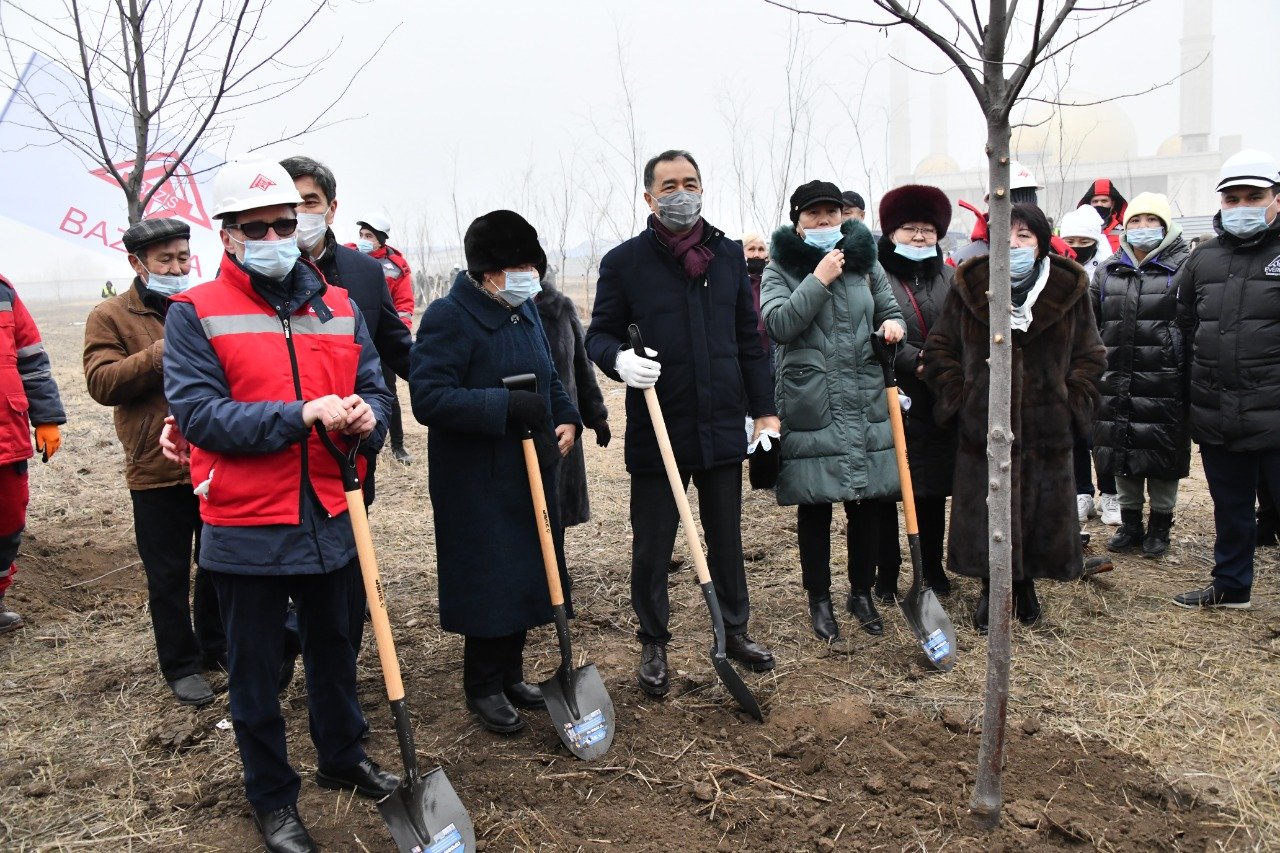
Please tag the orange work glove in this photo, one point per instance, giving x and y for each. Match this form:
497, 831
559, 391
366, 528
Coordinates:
48, 440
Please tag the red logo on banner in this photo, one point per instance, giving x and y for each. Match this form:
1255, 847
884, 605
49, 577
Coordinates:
262, 182
179, 196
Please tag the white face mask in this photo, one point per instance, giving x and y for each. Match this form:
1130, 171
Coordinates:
166, 285
311, 230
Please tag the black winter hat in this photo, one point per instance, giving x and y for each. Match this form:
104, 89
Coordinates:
915, 203
501, 239
814, 192
852, 199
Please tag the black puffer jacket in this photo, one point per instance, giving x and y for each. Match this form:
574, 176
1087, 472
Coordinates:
1230, 290
921, 288
1141, 427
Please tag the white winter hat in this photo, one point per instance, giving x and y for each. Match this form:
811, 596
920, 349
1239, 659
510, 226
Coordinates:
1249, 168
1084, 221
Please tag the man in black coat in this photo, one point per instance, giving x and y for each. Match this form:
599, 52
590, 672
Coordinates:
685, 285
1228, 291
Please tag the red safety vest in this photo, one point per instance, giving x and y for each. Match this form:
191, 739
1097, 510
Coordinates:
255, 348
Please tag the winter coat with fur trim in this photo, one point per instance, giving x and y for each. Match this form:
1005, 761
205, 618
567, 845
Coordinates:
836, 441
1056, 365
923, 285
1141, 428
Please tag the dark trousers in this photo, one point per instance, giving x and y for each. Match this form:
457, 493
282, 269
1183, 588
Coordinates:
253, 608
396, 428
492, 663
654, 522
931, 519
1082, 460
813, 529
1233, 484
166, 524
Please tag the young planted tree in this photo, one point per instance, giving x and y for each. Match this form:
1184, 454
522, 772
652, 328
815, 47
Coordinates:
184, 72
978, 45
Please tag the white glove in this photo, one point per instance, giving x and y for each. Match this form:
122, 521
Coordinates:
636, 370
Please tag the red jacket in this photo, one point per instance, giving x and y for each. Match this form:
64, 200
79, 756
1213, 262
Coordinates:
28, 394
265, 360
399, 280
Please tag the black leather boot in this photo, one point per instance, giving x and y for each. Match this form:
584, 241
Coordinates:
748, 652
824, 619
653, 669
9, 621
1026, 607
284, 832
1129, 535
1156, 542
496, 713
864, 610
525, 695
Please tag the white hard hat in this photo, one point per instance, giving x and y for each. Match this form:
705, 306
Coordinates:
1020, 177
376, 222
252, 182
1249, 168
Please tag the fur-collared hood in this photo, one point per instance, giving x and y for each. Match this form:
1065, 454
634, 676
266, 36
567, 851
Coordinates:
799, 259
1067, 284
899, 267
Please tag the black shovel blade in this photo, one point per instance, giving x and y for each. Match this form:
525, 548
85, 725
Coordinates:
588, 734
735, 685
426, 816
932, 626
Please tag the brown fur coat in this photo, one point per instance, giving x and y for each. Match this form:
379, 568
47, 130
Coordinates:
1056, 366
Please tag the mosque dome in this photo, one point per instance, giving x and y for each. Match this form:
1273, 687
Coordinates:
937, 164
1171, 147
1065, 134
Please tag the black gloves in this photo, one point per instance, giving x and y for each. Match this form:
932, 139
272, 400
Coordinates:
527, 408
603, 435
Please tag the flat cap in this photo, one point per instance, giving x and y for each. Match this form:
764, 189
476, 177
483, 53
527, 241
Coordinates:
157, 230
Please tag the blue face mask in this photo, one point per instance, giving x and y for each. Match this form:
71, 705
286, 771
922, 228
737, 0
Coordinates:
1144, 238
167, 285
912, 252
823, 238
520, 286
1244, 222
365, 246
1021, 260
273, 259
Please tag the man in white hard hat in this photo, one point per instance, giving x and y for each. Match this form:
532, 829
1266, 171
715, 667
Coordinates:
374, 231
1230, 321
1022, 188
255, 363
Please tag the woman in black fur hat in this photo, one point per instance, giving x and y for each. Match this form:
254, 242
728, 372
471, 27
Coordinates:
914, 218
492, 583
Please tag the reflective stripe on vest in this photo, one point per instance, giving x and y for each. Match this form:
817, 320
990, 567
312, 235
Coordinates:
256, 324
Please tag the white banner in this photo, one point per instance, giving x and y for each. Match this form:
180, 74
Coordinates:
49, 187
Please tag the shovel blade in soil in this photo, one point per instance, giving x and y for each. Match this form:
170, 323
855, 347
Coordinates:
735, 685
589, 733
932, 627
426, 816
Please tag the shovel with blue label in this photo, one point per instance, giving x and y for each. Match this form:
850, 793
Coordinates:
929, 622
577, 701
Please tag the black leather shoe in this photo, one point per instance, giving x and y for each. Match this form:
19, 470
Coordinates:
283, 831
749, 653
401, 455
1025, 604
496, 713
864, 610
653, 669
824, 620
366, 779
9, 621
982, 613
192, 690
525, 695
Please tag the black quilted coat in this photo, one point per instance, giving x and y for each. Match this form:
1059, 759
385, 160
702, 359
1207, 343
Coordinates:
1141, 427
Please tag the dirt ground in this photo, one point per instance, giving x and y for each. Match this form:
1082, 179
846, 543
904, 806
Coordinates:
1133, 725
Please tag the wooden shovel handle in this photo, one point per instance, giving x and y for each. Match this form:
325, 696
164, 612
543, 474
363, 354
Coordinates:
373, 592
543, 520
904, 469
677, 486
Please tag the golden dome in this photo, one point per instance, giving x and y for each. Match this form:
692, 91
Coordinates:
1066, 134
937, 164
1171, 147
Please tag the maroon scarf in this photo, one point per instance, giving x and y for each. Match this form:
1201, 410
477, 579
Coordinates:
687, 247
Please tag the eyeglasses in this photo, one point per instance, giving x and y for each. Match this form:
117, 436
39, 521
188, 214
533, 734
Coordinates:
257, 230
919, 232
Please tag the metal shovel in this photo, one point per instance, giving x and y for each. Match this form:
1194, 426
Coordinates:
424, 813
719, 657
576, 699
928, 621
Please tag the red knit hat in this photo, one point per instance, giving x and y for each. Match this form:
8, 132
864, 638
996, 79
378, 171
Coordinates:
915, 203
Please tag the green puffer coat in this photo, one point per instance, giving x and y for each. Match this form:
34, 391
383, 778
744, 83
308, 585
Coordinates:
836, 441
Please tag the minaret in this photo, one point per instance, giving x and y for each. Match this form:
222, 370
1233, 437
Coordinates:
1196, 86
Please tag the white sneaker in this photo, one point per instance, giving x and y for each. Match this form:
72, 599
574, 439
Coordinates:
1110, 510
1084, 507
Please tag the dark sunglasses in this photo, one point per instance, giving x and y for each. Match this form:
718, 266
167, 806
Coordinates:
257, 230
